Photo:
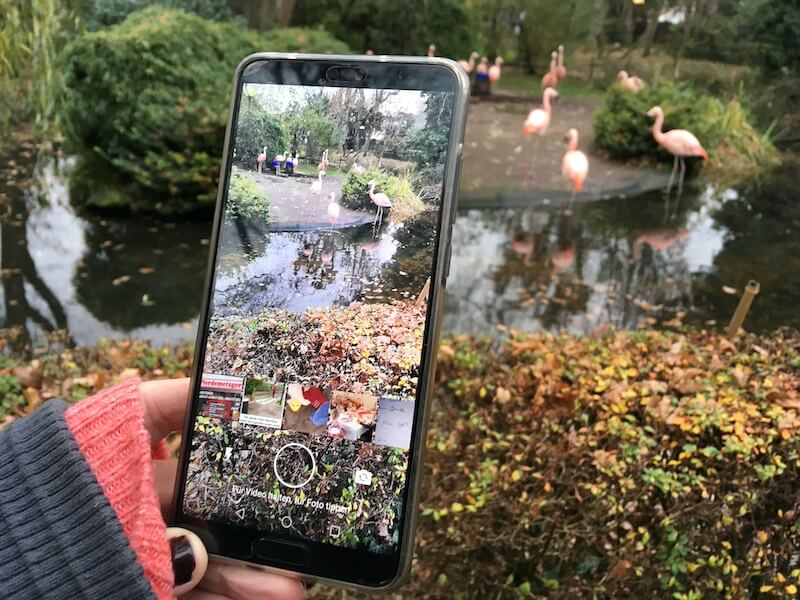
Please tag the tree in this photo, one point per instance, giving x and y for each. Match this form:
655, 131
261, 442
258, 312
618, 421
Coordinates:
313, 128
770, 32
389, 27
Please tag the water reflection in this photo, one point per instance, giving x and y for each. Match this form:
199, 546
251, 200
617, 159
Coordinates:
301, 269
620, 261
94, 277
623, 262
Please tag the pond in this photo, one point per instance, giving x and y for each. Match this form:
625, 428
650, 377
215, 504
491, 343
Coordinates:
521, 262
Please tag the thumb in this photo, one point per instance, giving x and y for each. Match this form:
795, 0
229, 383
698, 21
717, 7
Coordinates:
189, 559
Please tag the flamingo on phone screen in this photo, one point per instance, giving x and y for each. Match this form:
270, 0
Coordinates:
380, 200
574, 164
538, 120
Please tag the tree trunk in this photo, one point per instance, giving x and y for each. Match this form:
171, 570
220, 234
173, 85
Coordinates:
596, 26
627, 23
264, 14
652, 25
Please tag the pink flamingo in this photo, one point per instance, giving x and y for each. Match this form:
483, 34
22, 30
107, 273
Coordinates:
380, 200
431, 51
550, 79
316, 187
561, 70
322, 167
333, 209
659, 239
538, 119
469, 65
575, 164
496, 69
632, 84
678, 142
261, 159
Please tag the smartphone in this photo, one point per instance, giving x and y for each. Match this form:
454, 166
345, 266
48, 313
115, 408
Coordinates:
314, 362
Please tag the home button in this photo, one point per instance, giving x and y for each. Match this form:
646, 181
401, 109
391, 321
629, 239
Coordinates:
278, 551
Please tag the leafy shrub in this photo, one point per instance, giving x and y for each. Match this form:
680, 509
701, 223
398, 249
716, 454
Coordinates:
246, 199
424, 146
256, 130
298, 39
624, 465
149, 98
11, 396
98, 14
624, 130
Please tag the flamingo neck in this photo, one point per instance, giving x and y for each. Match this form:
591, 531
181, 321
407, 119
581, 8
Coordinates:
560, 57
659, 123
573, 144
546, 103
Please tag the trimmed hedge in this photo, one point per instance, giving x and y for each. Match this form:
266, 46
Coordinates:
246, 199
149, 98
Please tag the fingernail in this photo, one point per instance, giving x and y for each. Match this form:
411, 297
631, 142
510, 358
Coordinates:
183, 562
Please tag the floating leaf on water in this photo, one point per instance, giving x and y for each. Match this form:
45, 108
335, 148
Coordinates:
146, 270
120, 280
729, 290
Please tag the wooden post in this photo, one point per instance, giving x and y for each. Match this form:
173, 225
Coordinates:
750, 292
423, 295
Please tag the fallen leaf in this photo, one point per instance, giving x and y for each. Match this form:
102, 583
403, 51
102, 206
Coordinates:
128, 373
729, 290
121, 280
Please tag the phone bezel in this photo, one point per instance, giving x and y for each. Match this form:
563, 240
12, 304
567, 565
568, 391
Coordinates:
354, 568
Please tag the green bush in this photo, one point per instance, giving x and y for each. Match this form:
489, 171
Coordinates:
246, 199
149, 97
97, 14
11, 396
256, 129
298, 39
623, 129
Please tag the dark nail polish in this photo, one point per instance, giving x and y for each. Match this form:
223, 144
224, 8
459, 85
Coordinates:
183, 562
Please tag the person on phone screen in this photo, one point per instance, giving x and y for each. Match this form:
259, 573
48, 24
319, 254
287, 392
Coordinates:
81, 493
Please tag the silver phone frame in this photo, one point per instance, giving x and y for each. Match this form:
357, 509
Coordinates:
435, 300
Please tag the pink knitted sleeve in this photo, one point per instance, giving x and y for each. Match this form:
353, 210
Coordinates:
109, 428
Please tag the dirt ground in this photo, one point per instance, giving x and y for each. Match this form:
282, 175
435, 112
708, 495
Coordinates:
498, 157
292, 206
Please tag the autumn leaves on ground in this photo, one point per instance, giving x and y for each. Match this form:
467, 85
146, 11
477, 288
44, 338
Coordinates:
617, 465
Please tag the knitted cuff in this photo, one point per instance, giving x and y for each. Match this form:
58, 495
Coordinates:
109, 428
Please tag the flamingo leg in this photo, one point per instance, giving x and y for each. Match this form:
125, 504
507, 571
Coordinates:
683, 174
672, 176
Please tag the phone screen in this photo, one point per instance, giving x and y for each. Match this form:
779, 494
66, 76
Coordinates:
304, 414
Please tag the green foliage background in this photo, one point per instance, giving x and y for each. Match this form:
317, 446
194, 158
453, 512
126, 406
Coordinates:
355, 191
388, 27
98, 14
256, 130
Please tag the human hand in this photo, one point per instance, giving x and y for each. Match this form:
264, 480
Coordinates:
165, 404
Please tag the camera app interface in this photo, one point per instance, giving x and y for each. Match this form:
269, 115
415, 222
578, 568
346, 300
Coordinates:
320, 298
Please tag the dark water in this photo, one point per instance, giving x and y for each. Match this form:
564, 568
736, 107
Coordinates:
618, 261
